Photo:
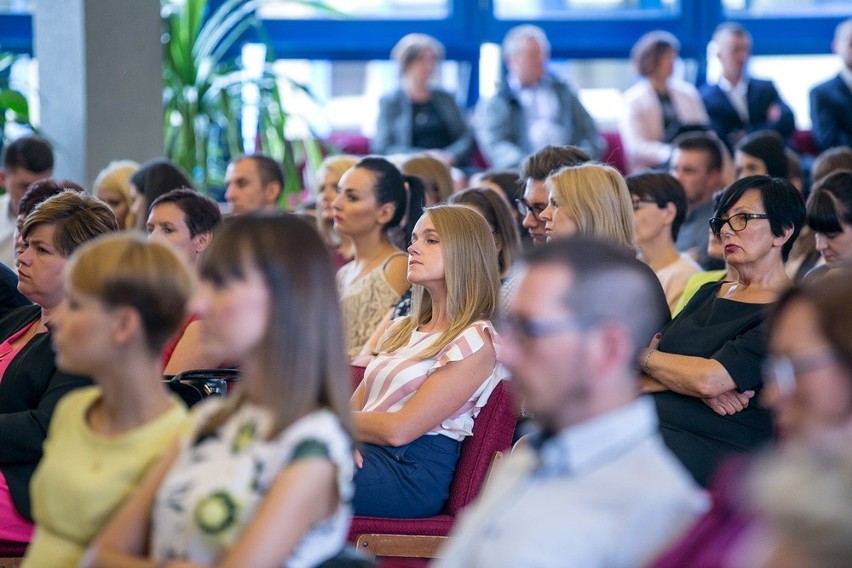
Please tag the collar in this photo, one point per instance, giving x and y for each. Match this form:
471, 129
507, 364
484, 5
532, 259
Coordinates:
515, 86
739, 89
595, 442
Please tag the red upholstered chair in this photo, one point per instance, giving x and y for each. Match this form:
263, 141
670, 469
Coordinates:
614, 153
357, 375
11, 553
421, 538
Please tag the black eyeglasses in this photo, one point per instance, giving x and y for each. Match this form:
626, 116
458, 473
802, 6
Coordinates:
782, 371
737, 222
525, 208
637, 203
526, 329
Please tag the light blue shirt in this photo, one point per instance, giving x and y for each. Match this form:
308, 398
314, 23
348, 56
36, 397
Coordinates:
604, 493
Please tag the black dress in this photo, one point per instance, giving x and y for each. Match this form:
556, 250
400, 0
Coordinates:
735, 335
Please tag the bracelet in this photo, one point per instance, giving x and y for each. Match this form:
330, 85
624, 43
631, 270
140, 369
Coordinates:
645, 368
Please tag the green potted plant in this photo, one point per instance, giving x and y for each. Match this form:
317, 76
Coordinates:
202, 94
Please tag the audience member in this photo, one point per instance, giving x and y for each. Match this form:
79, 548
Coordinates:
187, 220
151, 180
739, 104
704, 366
534, 171
589, 199
124, 298
809, 389
761, 153
830, 217
328, 177
112, 186
504, 182
532, 108
432, 371
659, 207
595, 486
265, 477
255, 183
435, 175
31, 385
697, 163
831, 121
372, 201
659, 107
837, 158
35, 194
419, 117
499, 217
25, 160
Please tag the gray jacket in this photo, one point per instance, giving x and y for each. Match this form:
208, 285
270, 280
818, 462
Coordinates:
395, 124
501, 130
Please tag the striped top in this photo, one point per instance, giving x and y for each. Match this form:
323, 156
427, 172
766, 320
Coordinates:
391, 379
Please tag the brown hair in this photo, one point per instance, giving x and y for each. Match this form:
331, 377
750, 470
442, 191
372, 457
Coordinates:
302, 355
77, 218
124, 269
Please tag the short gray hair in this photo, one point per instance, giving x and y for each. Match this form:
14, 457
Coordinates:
515, 36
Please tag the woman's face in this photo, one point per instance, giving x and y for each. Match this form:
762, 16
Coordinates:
809, 392
356, 209
748, 165
836, 248
82, 334
138, 206
326, 192
167, 221
665, 65
420, 70
234, 315
652, 221
116, 202
558, 220
756, 240
40, 267
426, 255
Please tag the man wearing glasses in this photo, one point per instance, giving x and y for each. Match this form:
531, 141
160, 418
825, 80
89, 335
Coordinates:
534, 171
595, 485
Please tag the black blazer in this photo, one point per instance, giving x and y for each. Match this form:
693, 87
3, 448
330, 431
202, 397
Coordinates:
760, 95
396, 122
831, 114
29, 391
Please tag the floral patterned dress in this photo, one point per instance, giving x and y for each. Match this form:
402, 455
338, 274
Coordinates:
218, 481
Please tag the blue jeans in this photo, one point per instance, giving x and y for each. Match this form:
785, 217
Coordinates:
410, 481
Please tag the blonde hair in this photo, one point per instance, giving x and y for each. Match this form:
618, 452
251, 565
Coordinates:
116, 178
337, 165
470, 272
434, 173
596, 196
126, 269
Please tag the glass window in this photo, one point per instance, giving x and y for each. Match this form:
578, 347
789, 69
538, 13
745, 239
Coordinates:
17, 6
361, 9
786, 7
548, 9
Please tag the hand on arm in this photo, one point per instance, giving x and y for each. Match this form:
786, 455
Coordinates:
438, 398
683, 374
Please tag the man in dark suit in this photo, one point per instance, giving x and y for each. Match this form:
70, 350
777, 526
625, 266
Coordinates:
831, 102
738, 104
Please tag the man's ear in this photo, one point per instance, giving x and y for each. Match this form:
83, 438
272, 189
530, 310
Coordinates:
273, 192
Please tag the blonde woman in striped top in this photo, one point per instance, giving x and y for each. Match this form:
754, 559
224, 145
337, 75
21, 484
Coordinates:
432, 370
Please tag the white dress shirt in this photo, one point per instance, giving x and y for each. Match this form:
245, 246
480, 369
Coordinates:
604, 493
